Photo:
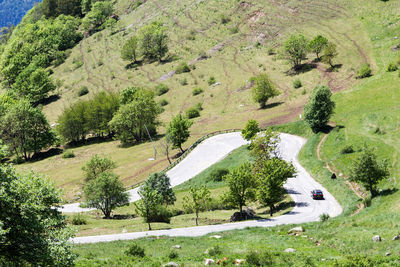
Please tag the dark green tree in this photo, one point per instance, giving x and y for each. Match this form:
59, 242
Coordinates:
263, 89
161, 183
153, 41
149, 205
329, 53
106, 192
178, 130
73, 123
367, 170
32, 231
319, 108
97, 16
96, 166
317, 45
295, 49
250, 130
129, 51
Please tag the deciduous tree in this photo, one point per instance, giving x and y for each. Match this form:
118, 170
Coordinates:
295, 49
198, 200
129, 50
250, 130
317, 45
96, 166
149, 204
263, 89
161, 183
329, 53
178, 130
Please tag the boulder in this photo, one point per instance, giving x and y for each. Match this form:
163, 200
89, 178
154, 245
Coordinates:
376, 238
298, 229
171, 264
388, 254
246, 214
216, 236
396, 237
239, 262
290, 250
176, 246
209, 262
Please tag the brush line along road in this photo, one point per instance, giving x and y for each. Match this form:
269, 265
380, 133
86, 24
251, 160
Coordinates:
213, 150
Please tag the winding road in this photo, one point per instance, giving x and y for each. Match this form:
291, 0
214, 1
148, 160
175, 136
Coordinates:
213, 150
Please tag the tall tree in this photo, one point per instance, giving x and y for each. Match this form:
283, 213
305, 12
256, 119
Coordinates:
263, 89
161, 183
295, 49
271, 176
96, 166
265, 146
329, 53
106, 192
178, 130
319, 108
242, 184
250, 130
97, 16
198, 200
149, 204
367, 170
73, 124
317, 45
153, 41
32, 231
26, 130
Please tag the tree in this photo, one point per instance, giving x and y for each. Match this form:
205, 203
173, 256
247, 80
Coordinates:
250, 130
129, 50
132, 119
106, 192
161, 183
264, 146
178, 131
149, 204
197, 200
241, 183
97, 16
317, 45
128, 94
271, 176
32, 231
319, 108
329, 53
368, 170
73, 123
263, 89
153, 41
26, 130
295, 49
166, 145
96, 166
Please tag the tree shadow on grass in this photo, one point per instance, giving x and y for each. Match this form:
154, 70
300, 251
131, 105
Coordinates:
334, 68
272, 105
46, 154
387, 192
47, 100
123, 216
303, 68
135, 143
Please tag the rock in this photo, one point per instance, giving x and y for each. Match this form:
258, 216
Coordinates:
396, 237
298, 229
387, 254
290, 250
376, 238
246, 214
396, 37
239, 261
176, 246
209, 262
215, 84
171, 264
216, 236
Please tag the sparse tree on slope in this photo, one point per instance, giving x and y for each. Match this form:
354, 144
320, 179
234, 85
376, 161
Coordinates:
96, 166
250, 130
263, 89
295, 49
178, 130
197, 201
317, 45
329, 53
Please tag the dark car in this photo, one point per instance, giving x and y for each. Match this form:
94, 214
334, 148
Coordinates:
317, 194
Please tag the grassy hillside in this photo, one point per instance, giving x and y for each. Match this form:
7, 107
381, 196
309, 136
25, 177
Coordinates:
237, 48
366, 113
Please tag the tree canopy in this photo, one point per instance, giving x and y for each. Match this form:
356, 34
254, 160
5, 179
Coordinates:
178, 130
198, 200
295, 49
96, 166
161, 183
263, 89
317, 45
250, 130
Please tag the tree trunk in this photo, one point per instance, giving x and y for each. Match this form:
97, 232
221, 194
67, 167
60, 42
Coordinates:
180, 147
271, 210
167, 152
197, 218
148, 223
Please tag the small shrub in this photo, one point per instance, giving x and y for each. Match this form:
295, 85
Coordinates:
182, 68
347, 150
212, 80
173, 255
161, 89
378, 130
324, 217
18, 160
254, 258
270, 51
304, 92
234, 30
100, 63
192, 113
68, 154
364, 72
214, 251
183, 82
78, 219
297, 84
391, 67
197, 91
135, 251
367, 201
217, 175
199, 106
163, 102
83, 91
225, 19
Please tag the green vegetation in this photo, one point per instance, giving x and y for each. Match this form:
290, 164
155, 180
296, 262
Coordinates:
263, 89
297, 84
364, 71
317, 45
295, 50
178, 131
329, 53
96, 166
198, 200
250, 129
319, 108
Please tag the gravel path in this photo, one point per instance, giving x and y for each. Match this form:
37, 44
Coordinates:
214, 149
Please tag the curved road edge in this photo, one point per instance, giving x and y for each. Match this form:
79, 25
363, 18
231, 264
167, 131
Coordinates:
305, 210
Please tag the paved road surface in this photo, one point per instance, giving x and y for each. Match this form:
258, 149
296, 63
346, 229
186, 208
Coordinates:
214, 149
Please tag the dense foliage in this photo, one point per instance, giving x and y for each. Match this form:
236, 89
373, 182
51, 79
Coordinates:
96, 166
178, 131
32, 231
263, 89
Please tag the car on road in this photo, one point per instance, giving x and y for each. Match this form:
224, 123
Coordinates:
317, 194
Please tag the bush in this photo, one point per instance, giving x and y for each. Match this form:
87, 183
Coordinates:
161, 215
364, 72
192, 113
324, 217
163, 102
214, 251
161, 89
173, 255
184, 82
211, 80
367, 201
259, 259
217, 175
197, 91
68, 154
135, 250
225, 19
297, 84
391, 67
83, 91
182, 67
270, 51
78, 219
347, 150
199, 106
